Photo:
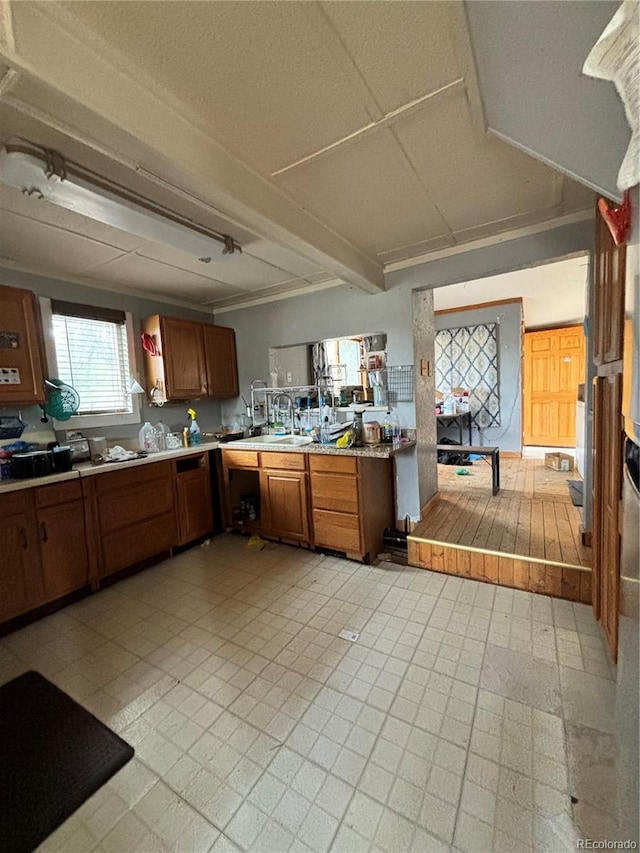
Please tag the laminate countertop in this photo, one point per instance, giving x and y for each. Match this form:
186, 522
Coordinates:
372, 451
87, 469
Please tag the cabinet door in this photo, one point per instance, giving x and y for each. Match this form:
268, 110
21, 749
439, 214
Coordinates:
284, 504
15, 553
21, 359
195, 512
221, 361
63, 549
183, 354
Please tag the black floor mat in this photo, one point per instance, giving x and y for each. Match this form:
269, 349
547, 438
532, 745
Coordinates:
53, 756
575, 491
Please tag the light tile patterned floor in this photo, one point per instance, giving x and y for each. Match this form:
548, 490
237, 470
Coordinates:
464, 718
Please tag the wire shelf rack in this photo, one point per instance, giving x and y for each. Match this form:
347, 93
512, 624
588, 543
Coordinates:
399, 383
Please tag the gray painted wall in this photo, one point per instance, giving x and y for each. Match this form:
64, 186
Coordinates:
508, 436
529, 58
345, 311
174, 415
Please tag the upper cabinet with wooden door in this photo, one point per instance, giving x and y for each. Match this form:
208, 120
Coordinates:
21, 354
607, 323
186, 360
221, 361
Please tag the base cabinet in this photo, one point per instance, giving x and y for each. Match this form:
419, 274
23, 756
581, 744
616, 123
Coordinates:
194, 507
44, 551
283, 496
63, 546
351, 503
333, 501
134, 514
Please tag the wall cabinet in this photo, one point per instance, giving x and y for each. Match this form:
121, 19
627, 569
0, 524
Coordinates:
21, 353
193, 360
221, 361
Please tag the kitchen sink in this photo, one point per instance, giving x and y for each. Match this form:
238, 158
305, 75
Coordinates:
291, 440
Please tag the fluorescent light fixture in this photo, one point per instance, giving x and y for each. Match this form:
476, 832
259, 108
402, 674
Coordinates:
44, 174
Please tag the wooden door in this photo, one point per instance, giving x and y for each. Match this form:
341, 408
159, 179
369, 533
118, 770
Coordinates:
284, 504
183, 354
63, 549
193, 497
609, 282
21, 356
554, 366
608, 331
607, 492
221, 361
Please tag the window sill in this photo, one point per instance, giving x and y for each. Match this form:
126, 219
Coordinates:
89, 421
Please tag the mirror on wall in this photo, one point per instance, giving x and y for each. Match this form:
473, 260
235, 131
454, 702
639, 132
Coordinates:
350, 361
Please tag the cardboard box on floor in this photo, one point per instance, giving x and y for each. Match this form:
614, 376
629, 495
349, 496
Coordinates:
559, 461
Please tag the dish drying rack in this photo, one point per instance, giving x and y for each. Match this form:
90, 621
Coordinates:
263, 409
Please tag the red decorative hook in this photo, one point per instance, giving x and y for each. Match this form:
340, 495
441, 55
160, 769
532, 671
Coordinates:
618, 218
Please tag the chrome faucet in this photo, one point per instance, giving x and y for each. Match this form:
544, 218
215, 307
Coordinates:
292, 407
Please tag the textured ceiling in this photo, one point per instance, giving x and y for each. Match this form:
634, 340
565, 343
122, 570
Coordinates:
366, 116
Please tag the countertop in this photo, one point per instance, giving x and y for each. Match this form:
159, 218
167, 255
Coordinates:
86, 469
374, 451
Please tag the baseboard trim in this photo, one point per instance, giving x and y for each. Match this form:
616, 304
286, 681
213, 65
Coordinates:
433, 500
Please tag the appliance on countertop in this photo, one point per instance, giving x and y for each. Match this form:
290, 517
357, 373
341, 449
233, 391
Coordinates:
79, 449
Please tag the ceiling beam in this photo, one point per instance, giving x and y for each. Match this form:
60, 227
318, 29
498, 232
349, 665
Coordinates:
53, 47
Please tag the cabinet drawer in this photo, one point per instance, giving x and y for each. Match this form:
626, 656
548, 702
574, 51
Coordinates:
132, 506
128, 478
338, 530
240, 458
58, 493
131, 546
338, 464
334, 491
283, 461
15, 503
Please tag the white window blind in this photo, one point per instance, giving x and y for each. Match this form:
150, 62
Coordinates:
93, 357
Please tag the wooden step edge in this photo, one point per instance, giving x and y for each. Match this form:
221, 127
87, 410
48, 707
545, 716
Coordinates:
507, 554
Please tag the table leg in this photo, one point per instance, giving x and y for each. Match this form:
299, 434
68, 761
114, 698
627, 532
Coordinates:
470, 429
459, 419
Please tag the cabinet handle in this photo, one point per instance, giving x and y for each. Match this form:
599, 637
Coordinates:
22, 533
43, 531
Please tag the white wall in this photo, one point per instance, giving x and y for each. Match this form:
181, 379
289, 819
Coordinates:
552, 294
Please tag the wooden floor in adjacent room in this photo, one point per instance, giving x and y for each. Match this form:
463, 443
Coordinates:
527, 536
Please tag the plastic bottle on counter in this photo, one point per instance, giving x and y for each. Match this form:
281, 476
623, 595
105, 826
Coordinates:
195, 436
147, 438
325, 432
161, 431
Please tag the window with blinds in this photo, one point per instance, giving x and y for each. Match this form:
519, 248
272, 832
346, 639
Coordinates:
92, 356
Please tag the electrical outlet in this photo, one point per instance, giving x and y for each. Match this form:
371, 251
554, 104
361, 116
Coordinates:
289, 378
425, 367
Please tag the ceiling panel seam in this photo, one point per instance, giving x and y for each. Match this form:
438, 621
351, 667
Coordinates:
404, 111
326, 31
